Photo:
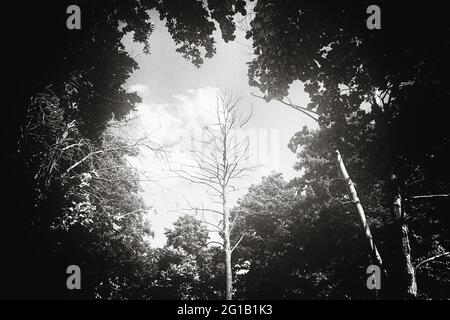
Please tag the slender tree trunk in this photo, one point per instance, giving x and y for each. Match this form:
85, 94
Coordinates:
410, 274
362, 217
227, 248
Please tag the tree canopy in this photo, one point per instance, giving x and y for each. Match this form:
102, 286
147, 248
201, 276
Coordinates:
378, 96
70, 86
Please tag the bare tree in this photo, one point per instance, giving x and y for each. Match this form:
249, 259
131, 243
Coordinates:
220, 160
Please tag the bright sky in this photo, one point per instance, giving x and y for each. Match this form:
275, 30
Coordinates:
176, 94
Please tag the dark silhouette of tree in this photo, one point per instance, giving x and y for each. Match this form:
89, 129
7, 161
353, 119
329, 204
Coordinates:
379, 97
378, 93
85, 70
187, 267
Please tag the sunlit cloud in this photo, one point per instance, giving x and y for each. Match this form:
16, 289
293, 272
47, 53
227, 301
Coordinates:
174, 125
138, 88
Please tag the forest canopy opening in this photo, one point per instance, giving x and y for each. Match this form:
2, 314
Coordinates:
227, 150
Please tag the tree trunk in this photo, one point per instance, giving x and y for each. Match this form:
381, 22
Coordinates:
227, 249
354, 196
410, 274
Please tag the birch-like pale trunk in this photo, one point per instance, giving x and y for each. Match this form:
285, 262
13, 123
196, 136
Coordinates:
227, 250
362, 217
399, 215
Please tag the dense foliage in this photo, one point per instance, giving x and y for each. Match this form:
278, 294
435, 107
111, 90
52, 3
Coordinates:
379, 96
72, 195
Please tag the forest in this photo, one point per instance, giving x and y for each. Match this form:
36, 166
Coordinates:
372, 181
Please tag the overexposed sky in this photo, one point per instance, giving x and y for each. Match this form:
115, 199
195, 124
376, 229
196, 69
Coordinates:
175, 95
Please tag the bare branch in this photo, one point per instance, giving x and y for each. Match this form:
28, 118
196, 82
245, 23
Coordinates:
237, 243
445, 195
215, 242
431, 259
303, 110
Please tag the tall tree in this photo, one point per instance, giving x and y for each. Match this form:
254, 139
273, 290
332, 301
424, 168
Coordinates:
268, 253
86, 70
299, 243
369, 88
188, 267
219, 162
88, 209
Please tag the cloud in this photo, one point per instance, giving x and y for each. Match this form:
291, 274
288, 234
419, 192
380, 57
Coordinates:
173, 124
140, 89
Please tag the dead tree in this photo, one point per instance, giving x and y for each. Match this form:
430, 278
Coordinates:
375, 255
219, 161
400, 219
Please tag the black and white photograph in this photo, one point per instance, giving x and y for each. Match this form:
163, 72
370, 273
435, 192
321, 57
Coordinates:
244, 150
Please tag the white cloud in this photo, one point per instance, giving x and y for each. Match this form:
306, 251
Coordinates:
173, 124
138, 88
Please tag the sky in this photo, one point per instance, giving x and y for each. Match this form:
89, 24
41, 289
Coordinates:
176, 95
